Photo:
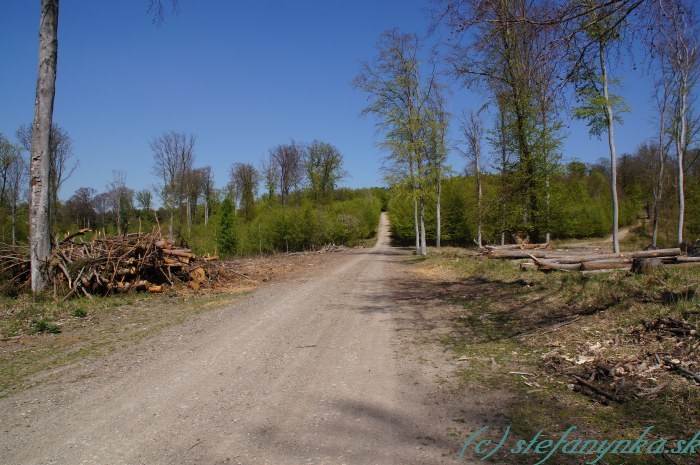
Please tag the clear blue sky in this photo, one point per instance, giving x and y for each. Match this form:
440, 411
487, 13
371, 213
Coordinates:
241, 76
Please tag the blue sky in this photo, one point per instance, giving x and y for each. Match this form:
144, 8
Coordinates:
241, 76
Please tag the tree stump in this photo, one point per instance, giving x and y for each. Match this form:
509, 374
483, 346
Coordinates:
646, 265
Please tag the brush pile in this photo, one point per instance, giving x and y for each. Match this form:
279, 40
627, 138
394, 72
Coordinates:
643, 363
106, 265
545, 259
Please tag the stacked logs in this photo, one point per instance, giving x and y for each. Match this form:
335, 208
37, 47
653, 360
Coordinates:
116, 264
543, 258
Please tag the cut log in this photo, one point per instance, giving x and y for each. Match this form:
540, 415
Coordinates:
198, 275
534, 246
687, 259
606, 264
554, 265
156, 289
654, 253
178, 253
588, 258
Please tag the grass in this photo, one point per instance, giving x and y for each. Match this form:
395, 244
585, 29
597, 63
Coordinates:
39, 337
507, 319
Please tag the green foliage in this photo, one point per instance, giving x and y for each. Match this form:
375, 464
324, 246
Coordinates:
692, 207
45, 326
79, 313
580, 207
347, 218
593, 106
226, 234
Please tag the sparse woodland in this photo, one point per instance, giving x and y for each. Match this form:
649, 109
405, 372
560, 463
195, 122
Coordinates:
536, 64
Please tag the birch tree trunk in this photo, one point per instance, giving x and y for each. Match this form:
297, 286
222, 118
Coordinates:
658, 189
438, 189
680, 151
611, 143
423, 246
548, 200
39, 188
415, 222
171, 227
478, 206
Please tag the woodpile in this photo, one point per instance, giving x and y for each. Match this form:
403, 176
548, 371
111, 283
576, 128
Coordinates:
545, 259
116, 264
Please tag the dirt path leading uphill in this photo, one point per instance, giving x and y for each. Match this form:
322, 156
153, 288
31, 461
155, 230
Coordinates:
309, 371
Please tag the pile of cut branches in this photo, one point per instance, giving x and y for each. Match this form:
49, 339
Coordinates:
113, 264
667, 346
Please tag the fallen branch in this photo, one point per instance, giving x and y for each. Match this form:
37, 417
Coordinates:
597, 390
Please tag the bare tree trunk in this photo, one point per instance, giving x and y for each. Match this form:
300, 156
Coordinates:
118, 214
478, 206
548, 235
39, 215
680, 151
188, 205
658, 189
423, 246
171, 227
415, 222
206, 212
438, 189
611, 143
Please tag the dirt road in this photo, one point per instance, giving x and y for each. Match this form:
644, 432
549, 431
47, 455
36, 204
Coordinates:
308, 371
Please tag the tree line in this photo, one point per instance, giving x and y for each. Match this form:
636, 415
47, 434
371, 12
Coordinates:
291, 201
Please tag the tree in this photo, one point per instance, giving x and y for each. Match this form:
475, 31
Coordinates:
473, 130
270, 174
503, 49
81, 207
226, 235
15, 184
173, 156
661, 96
599, 106
287, 160
121, 200
39, 214
323, 163
61, 162
207, 187
101, 202
192, 189
144, 199
398, 98
436, 124
244, 181
680, 45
